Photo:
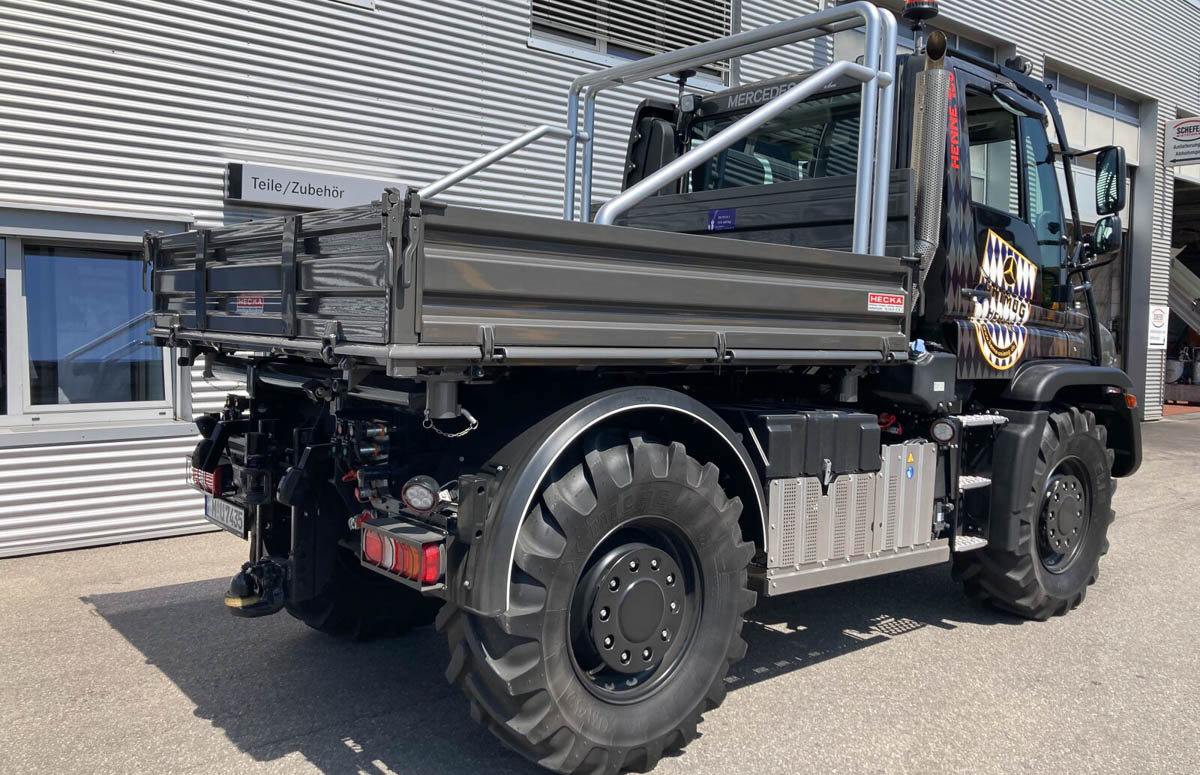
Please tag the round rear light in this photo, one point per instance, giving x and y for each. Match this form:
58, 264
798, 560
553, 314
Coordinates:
420, 494
943, 431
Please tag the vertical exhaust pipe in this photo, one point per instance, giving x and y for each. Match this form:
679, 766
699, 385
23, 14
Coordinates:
929, 153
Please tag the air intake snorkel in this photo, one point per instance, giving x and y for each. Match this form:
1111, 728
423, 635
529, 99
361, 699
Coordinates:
929, 153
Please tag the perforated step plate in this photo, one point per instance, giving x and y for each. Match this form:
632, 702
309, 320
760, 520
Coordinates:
969, 543
968, 482
981, 420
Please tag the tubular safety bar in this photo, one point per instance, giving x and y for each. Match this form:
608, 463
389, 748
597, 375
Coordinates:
875, 140
877, 114
727, 137
491, 157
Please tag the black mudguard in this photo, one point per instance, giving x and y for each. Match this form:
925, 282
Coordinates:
1087, 387
481, 582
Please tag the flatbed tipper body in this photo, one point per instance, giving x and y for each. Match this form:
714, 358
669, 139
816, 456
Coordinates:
452, 284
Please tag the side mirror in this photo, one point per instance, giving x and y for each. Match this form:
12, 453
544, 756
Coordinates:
1110, 181
1018, 104
1108, 237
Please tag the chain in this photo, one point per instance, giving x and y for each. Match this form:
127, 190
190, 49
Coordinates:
472, 424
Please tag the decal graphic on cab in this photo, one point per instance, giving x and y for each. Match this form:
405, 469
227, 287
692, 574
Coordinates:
999, 318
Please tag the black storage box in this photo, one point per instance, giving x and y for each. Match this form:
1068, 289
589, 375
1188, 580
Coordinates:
798, 444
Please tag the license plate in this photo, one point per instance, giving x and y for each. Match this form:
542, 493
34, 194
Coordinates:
226, 515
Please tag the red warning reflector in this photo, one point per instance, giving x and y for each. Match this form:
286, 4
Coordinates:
431, 563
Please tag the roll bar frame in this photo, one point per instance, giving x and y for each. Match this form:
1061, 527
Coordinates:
877, 117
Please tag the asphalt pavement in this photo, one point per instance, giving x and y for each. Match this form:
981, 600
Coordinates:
123, 659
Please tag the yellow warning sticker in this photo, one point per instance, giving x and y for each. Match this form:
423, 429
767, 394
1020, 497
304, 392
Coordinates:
910, 457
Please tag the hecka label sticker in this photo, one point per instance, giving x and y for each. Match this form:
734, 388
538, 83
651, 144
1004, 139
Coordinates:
250, 305
885, 302
999, 318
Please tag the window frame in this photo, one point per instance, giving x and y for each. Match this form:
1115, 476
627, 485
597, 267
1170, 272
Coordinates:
1016, 161
1054, 77
19, 410
547, 39
1024, 171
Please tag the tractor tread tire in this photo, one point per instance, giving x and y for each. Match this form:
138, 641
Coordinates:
498, 662
1013, 580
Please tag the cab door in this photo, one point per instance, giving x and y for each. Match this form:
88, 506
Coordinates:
1005, 312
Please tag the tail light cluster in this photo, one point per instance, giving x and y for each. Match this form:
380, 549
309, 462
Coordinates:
213, 483
403, 551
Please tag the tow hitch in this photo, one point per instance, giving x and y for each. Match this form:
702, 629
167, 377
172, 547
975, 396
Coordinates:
258, 589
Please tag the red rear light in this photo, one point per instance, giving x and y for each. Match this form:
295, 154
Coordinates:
402, 551
372, 547
431, 563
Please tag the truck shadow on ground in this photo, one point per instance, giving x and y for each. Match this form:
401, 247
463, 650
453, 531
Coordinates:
276, 688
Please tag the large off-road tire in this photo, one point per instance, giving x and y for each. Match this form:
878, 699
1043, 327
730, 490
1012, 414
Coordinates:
626, 605
1061, 526
355, 602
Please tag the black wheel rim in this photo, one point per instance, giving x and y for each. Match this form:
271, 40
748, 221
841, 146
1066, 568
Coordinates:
1065, 517
635, 610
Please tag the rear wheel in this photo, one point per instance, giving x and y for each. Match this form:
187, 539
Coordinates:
626, 604
1061, 528
354, 602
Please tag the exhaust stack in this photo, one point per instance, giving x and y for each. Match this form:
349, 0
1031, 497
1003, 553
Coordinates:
929, 153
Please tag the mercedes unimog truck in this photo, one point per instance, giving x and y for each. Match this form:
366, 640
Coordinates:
835, 325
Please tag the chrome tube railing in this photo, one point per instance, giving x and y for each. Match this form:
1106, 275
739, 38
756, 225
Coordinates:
876, 121
728, 136
884, 140
491, 157
877, 115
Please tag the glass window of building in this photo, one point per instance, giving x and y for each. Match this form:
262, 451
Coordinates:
87, 321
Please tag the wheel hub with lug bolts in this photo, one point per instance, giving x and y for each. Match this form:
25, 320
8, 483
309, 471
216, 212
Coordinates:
638, 605
1064, 518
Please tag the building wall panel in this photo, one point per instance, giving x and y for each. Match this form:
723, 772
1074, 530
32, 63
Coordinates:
73, 495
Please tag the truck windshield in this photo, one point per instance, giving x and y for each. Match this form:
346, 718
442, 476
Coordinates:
815, 139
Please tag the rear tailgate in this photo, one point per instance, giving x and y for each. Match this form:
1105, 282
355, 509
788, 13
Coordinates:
306, 276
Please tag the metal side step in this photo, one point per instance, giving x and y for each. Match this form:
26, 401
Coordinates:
968, 543
968, 482
981, 420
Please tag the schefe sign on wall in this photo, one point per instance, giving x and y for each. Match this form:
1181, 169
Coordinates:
261, 184
1183, 142
1160, 320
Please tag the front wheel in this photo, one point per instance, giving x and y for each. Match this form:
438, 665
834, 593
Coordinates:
627, 594
1061, 528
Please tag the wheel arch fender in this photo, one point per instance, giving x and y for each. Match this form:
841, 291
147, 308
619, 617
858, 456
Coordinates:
481, 583
1088, 387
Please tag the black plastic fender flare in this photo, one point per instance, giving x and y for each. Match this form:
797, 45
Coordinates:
1041, 383
482, 584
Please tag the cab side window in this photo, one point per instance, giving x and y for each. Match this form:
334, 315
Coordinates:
995, 180
1044, 202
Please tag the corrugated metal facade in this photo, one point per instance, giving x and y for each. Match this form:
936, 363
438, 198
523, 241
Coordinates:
136, 106
70, 495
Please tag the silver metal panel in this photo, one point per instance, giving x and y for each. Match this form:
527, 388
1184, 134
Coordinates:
859, 517
783, 581
913, 494
72, 495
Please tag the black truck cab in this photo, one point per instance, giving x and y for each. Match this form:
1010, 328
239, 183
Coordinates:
999, 292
